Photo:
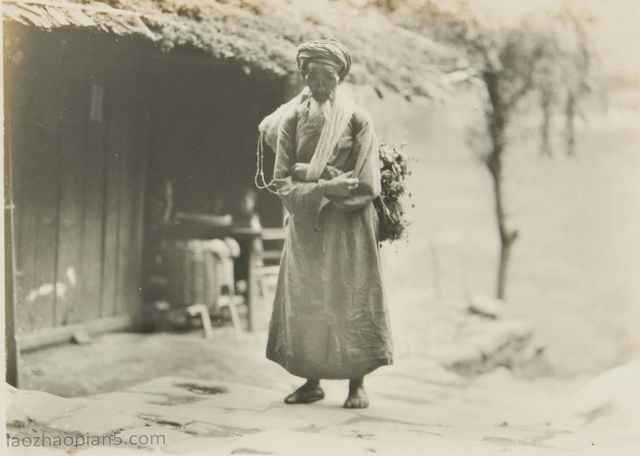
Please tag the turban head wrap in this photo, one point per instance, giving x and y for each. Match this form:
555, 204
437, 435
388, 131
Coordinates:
330, 52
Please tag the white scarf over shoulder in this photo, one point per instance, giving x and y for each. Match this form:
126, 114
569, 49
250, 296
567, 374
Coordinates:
342, 109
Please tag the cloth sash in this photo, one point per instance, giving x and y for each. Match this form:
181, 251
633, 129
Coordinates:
333, 128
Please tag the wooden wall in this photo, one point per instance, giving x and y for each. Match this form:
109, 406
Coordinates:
77, 131
95, 125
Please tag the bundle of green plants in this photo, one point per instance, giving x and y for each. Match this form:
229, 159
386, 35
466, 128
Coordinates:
394, 170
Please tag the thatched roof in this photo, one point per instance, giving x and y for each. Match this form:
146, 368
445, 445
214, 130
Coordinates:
263, 34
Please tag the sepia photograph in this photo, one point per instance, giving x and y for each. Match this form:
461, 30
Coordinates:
397, 227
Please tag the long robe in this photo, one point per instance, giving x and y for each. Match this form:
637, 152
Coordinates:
329, 317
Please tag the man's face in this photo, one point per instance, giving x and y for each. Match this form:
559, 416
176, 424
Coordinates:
322, 80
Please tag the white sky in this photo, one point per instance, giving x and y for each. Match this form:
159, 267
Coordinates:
616, 33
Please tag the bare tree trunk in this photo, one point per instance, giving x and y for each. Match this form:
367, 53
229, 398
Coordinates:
507, 237
497, 122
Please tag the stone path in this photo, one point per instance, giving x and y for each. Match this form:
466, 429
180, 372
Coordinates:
417, 408
421, 405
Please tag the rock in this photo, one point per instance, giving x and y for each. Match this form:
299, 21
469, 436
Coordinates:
532, 361
131, 403
459, 357
243, 397
615, 426
95, 421
484, 347
615, 391
205, 429
180, 389
486, 306
81, 337
38, 406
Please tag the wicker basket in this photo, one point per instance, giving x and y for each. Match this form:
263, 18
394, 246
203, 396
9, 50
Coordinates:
198, 272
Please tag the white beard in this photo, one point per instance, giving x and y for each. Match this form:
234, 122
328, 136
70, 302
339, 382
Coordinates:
319, 110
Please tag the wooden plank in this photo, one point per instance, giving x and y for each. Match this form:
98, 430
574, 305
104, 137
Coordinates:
131, 202
133, 137
85, 75
70, 230
90, 276
127, 255
140, 148
38, 110
114, 157
25, 248
125, 203
18, 89
62, 334
45, 200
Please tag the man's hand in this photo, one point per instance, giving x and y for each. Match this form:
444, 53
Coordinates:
342, 185
330, 172
299, 171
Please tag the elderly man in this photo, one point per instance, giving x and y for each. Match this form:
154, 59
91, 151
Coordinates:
329, 316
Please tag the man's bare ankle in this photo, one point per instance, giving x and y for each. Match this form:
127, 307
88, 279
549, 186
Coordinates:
356, 383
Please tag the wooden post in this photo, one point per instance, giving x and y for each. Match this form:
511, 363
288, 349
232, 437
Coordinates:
11, 347
252, 286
